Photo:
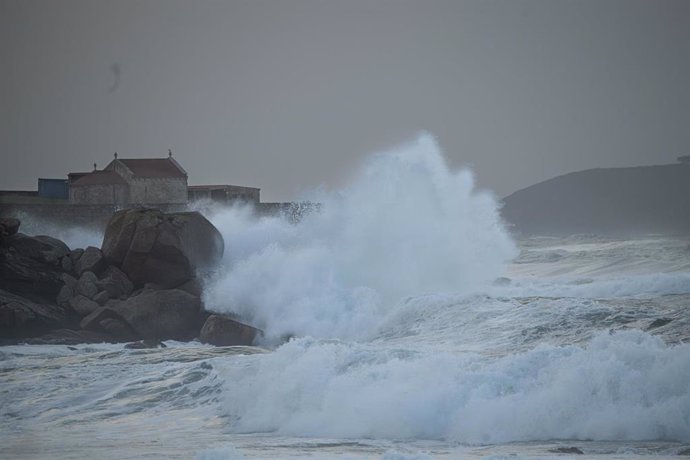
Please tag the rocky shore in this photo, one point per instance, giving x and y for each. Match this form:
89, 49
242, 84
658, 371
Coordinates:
142, 286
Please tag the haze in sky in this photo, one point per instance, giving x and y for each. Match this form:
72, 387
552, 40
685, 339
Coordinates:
290, 95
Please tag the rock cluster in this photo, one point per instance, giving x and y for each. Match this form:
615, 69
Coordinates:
142, 285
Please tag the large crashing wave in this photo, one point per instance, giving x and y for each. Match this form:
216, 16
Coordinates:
405, 225
626, 386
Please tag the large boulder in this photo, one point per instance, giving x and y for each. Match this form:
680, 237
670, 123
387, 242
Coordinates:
223, 331
8, 227
166, 249
29, 267
20, 317
90, 260
163, 315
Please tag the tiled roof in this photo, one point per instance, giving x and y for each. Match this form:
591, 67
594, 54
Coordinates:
153, 167
99, 178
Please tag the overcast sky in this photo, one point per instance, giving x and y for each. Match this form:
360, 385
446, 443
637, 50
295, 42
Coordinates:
288, 95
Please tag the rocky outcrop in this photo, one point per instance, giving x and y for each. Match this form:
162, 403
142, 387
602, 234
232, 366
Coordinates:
165, 314
30, 267
8, 227
223, 331
166, 249
609, 201
50, 291
20, 317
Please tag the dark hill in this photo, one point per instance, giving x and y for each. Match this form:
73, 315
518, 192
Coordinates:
611, 201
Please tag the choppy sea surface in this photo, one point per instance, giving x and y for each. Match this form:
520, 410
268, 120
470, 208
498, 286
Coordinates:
420, 330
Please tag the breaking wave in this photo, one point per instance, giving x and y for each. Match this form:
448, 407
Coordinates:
405, 225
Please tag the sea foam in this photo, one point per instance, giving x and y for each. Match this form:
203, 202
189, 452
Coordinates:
625, 386
405, 225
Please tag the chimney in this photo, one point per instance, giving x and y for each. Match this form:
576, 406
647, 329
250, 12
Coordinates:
116, 155
94, 167
169, 153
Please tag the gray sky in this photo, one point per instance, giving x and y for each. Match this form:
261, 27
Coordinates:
288, 95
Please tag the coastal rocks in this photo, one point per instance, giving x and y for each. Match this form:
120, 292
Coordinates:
166, 314
107, 320
8, 227
20, 317
70, 337
90, 260
222, 331
115, 283
167, 249
29, 267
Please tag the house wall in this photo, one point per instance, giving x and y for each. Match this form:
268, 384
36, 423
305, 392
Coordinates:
115, 194
158, 190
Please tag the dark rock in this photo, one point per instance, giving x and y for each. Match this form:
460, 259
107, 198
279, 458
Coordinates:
166, 249
194, 287
106, 320
91, 260
83, 305
566, 450
86, 285
115, 283
101, 298
39, 248
167, 314
67, 264
20, 317
33, 278
145, 344
8, 227
685, 452
222, 331
63, 297
75, 254
69, 280
70, 337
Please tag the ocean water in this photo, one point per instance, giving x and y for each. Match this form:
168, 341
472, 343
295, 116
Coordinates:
402, 322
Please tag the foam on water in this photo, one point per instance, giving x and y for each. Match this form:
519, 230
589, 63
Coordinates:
625, 386
405, 225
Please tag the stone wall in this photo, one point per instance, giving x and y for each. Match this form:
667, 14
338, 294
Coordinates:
99, 194
158, 190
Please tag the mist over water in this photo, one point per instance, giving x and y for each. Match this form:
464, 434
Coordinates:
405, 225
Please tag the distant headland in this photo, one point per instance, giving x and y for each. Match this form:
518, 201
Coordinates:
609, 201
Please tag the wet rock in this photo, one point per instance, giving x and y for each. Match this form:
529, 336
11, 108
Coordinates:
115, 282
193, 287
91, 260
107, 320
83, 305
166, 314
63, 297
86, 285
223, 331
20, 317
145, 344
69, 280
167, 249
8, 227
75, 254
67, 264
25, 271
101, 298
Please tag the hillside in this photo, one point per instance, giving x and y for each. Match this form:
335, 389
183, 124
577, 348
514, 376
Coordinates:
611, 201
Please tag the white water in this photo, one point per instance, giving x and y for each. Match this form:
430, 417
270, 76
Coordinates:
405, 347
406, 225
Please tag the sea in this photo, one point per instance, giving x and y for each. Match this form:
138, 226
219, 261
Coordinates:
403, 320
